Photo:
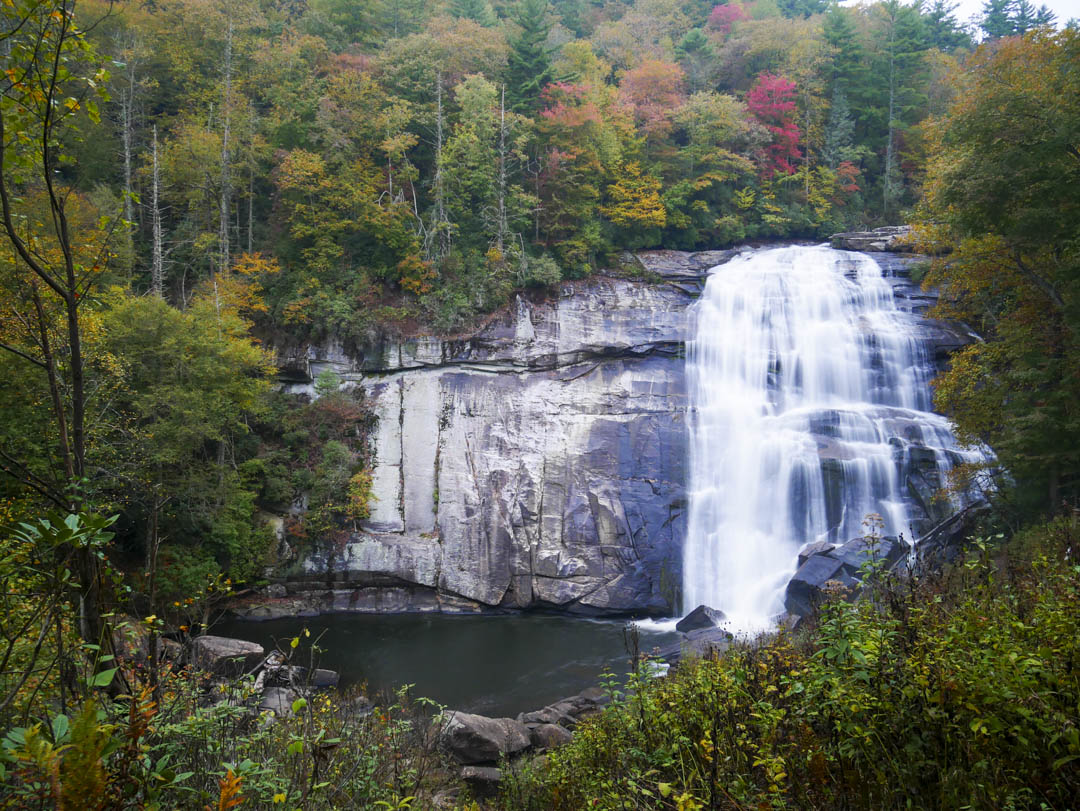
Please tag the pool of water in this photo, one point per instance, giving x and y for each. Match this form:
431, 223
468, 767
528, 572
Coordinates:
493, 665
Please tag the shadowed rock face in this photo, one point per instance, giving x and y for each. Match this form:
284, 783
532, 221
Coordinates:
539, 463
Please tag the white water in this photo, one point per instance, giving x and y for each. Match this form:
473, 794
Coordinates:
801, 359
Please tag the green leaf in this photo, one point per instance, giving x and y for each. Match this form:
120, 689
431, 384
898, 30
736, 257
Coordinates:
103, 678
60, 726
299, 704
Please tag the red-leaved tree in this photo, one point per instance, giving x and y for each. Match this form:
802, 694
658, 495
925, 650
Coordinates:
722, 17
772, 102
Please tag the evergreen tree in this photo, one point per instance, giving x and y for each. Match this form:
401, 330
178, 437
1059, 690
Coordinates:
850, 73
997, 19
802, 8
839, 133
529, 68
942, 30
479, 11
849, 70
901, 70
1026, 16
697, 58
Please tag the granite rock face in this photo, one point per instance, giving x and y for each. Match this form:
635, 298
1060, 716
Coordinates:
889, 238
538, 463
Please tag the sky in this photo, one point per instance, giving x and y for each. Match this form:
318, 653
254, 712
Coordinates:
966, 9
1063, 8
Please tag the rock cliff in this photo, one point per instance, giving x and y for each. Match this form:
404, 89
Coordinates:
539, 463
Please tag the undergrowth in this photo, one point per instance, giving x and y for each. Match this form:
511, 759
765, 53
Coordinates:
958, 690
953, 690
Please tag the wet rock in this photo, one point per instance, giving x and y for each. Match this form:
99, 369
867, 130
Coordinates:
549, 736
804, 590
859, 551
568, 711
475, 739
823, 563
946, 541
701, 617
224, 656
815, 548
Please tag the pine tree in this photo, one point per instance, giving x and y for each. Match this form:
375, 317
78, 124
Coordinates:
997, 18
902, 44
839, 133
479, 11
1026, 16
942, 30
802, 8
529, 67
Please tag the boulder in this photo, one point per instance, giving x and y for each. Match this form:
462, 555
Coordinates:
224, 656
473, 739
707, 642
549, 736
804, 590
701, 617
322, 678
856, 552
815, 548
483, 781
547, 715
278, 700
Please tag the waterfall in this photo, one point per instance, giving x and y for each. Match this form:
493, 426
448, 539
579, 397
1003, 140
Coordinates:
811, 408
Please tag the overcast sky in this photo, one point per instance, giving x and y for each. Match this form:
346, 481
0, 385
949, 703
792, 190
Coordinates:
1063, 8
966, 9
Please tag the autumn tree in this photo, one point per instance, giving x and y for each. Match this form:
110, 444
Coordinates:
1003, 198
772, 102
50, 87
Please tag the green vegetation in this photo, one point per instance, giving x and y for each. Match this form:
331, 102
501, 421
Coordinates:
409, 163
935, 692
1001, 210
185, 184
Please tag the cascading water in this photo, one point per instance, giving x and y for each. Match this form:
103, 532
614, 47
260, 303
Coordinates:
812, 402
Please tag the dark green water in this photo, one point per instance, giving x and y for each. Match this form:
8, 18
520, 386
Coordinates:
493, 665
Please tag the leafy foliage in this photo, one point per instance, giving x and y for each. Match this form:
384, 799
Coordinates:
937, 692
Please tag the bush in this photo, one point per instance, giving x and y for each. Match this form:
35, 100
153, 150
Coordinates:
952, 691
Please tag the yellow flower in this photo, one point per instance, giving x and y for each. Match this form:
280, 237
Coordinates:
279, 798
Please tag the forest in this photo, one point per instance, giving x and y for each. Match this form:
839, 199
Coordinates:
191, 188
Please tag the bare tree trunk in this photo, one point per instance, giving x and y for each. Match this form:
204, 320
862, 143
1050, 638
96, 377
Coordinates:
157, 262
502, 227
442, 231
226, 180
